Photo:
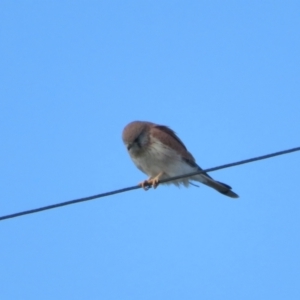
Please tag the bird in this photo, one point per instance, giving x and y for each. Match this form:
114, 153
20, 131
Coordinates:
159, 153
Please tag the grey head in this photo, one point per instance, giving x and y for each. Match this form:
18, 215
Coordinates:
136, 136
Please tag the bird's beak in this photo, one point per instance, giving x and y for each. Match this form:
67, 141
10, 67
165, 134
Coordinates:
129, 146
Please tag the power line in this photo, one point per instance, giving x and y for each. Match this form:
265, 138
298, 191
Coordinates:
246, 161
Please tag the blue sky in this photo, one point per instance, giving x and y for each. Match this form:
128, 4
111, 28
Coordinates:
223, 74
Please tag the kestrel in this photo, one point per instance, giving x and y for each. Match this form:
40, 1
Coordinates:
158, 152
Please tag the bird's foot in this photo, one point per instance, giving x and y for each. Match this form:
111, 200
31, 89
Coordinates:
145, 184
151, 182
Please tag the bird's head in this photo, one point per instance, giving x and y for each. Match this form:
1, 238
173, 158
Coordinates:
136, 136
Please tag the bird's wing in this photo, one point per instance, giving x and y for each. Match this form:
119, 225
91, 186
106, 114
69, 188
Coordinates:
169, 138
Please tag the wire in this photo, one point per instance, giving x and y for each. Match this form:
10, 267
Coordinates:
246, 161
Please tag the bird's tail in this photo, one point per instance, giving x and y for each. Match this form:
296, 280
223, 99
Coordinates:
218, 186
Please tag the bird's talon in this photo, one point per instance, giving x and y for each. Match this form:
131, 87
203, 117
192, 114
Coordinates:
155, 183
145, 185
150, 182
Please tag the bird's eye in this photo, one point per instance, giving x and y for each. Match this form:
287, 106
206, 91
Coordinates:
137, 141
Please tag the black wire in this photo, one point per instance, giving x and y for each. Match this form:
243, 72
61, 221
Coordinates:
246, 161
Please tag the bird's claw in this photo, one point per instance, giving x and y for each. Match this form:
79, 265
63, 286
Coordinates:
147, 184
154, 182
151, 182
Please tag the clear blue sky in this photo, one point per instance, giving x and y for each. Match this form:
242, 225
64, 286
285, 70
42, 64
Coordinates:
225, 75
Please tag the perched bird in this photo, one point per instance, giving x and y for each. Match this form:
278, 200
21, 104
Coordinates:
158, 152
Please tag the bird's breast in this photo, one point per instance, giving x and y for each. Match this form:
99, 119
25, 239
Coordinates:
157, 157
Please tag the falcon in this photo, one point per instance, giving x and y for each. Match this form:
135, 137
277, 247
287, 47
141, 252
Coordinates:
158, 152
